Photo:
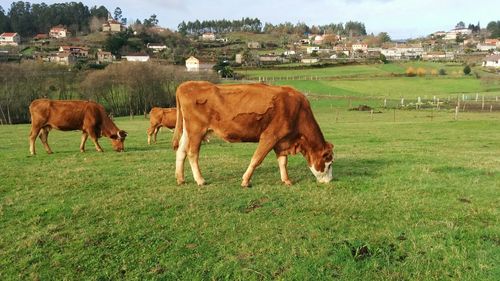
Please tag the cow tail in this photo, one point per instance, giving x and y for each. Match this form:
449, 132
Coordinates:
178, 124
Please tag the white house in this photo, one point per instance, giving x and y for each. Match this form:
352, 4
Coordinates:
391, 54
139, 57
312, 49
360, 47
318, 39
486, 47
156, 47
193, 64
58, 32
492, 61
10, 38
452, 34
208, 36
309, 60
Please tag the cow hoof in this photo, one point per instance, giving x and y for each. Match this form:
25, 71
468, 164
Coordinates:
82, 150
180, 182
201, 183
287, 182
245, 184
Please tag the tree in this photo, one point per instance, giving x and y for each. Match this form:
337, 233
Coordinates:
467, 70
460, 25
95, 24
152, 21
384, 37
494, 29
118, 14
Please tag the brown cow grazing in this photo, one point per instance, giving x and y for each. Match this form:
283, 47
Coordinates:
278, 118
160, 117
87, 116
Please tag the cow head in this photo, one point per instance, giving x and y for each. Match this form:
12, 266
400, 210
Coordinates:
321, 163
117, 140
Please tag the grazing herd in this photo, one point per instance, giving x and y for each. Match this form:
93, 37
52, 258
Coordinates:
277, 118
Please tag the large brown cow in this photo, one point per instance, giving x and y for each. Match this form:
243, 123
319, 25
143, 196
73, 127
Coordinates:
87, 116
160, 117
278, 118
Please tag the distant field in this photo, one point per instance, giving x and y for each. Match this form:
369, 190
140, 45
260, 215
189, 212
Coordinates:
411, 200
452, 69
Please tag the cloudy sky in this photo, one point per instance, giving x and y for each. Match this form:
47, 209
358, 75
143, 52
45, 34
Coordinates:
400, 18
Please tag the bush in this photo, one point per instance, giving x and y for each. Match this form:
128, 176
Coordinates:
421, 71
467, 70
442, 71
411, 72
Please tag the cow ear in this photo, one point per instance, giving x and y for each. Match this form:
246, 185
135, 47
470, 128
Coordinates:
122, 134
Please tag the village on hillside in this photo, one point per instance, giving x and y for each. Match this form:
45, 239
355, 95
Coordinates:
204, 48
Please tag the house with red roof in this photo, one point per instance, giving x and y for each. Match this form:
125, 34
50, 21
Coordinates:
10, 38
58, 32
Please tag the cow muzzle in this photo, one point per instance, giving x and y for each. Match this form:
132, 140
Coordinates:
323, 176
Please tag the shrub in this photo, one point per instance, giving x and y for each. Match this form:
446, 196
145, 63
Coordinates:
411, 72
421, 71
442, 71
434, 72
467, 70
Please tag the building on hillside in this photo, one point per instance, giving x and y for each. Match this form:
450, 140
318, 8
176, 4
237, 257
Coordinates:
104, 57
312, 49
485, 47
305, 42
438, 56
359, 47
58, 32
318, 39
112, 25
136, 57
253, 45
452, 34
64, 58
238, 58
10, 38
40, 37
493, 42
156, 47
208, 36
309, 60
77, 51
192, 64
391, 54
492, 61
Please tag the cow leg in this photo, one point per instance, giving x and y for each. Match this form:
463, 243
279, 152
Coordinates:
82, 143
262, 150
282, 162
180, 156
193, 156
151, 131
44, 135
35, 130
93, 137
155, 133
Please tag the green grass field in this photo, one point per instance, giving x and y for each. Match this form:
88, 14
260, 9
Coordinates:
411, 200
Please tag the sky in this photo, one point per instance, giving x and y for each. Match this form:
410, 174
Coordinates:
402, 19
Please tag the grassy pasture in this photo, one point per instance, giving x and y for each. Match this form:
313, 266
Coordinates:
411, 200
367, 71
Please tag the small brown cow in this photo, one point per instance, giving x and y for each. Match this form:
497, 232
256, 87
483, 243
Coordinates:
160, 117
278, 118
87, 116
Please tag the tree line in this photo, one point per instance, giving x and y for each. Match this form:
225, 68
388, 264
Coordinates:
28, 19
123, 89
350, 28
220, 26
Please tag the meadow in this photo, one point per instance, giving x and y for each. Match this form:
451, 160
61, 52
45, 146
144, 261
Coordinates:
415, 196
411, 199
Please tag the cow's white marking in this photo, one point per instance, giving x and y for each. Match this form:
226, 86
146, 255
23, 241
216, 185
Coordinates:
323, 176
